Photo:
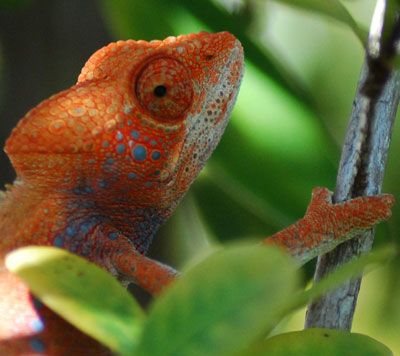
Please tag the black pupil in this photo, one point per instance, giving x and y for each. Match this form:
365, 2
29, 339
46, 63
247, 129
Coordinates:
160, 91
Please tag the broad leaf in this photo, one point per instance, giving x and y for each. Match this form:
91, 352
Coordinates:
222, 304
325, 342
82, 293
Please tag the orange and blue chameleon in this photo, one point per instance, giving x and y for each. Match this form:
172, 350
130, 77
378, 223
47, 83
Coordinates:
101, 165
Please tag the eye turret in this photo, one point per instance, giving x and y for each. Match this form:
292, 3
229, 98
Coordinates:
164, 89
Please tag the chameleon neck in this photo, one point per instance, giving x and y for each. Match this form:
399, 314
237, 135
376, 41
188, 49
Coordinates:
75, 218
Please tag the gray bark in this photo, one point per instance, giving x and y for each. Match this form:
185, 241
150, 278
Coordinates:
361, 170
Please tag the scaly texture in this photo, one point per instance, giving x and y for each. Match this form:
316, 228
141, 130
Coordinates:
101, 165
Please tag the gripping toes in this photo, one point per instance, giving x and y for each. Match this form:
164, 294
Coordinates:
325, 224
321, 194
342, 218
364, 212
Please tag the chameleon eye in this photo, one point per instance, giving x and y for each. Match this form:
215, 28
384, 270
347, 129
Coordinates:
164, 89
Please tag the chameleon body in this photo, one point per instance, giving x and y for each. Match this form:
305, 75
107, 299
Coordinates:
101, 165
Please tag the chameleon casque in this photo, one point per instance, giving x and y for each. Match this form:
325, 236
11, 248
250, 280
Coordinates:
101, 165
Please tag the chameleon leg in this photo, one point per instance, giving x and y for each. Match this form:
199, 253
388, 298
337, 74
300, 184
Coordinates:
326, 225
120, 257
149, 274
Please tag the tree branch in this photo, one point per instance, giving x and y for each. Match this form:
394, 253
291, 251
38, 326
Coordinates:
362, 163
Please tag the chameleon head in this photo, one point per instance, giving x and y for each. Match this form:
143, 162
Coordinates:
140, 123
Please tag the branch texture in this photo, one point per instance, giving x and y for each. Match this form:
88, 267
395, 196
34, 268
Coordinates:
362, 165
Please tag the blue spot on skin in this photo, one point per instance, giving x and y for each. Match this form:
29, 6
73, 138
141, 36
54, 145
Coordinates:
71, 231
113, 235
83, 190
103, 184
110, 160
77, 191
135, 134
119, 136
88, 190
132, 175
148, 184
156, 155
153, 142
37, 345
37, 325
121, 148
105, 144
129, 122
58, 241
85, 227
139, 153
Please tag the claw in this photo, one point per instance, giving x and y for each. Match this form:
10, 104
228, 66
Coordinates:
388, 199
320, 196
321, 193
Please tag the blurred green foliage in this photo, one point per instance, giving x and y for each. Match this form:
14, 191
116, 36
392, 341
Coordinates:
326, 342
334, 9
286, 131
248, 289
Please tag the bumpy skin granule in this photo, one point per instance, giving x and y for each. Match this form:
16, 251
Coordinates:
101, 165
326, 225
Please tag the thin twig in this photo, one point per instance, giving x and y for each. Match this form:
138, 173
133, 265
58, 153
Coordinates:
362, 164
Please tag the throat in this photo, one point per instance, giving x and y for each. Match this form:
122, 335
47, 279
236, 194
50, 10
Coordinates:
86, 218
140, 225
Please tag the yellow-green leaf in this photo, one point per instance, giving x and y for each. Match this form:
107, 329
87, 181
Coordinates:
222, 304
315, 342
82, 293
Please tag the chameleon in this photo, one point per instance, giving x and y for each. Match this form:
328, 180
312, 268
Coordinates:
101, 165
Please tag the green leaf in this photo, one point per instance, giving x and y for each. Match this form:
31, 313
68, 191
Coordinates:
222, 304
333, 9
314, 342
73, 288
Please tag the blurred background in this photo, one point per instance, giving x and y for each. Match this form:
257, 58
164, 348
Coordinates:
285, 135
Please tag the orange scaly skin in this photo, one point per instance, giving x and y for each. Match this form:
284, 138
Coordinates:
101, 165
